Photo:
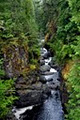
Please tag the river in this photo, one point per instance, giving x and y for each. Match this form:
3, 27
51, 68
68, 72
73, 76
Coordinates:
51, 109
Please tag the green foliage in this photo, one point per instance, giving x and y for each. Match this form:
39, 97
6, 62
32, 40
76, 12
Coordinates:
7, 92
17, 19
39, 15
67, 33
17, 28
6, 96
35, 53
2, 73
65, 44
73, 106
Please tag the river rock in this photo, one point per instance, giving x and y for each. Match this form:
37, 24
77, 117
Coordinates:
30, 97
43, 79
46, 55
54, 84
47, 73
54, 66
42, 62
30, 91
50, 79
45, 68
11, 116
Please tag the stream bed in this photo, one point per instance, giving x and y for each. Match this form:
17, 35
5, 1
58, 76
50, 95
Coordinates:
51, 109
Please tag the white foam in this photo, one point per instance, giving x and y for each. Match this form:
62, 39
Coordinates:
46, 63
44, 50
18, 112
47, 77
48, 60
52, 92
53, 70
43, 40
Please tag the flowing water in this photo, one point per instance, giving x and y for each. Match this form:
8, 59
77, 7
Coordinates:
51, 109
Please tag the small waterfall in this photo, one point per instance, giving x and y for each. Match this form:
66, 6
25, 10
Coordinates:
18, 111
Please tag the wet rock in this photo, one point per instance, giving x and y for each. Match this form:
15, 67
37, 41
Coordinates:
11, 116
29, 114
45, 68
51, 63
21, 80
42, 62
34, 96
43, 79
54, 66
47, 73
50, 79
46, 55
30, 91
55, 76
52, 87
29, 97
46, 90
42, 58
54, 84
57, 95
37, 86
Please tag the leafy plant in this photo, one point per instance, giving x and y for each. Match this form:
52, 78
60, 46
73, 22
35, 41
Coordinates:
6, 96
7, 93
73, 106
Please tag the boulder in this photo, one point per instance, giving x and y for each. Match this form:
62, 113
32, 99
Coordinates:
28, 97
45, 68
30, 92
43, 79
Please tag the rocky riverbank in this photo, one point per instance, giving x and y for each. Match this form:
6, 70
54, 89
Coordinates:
30, 90
39, 88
